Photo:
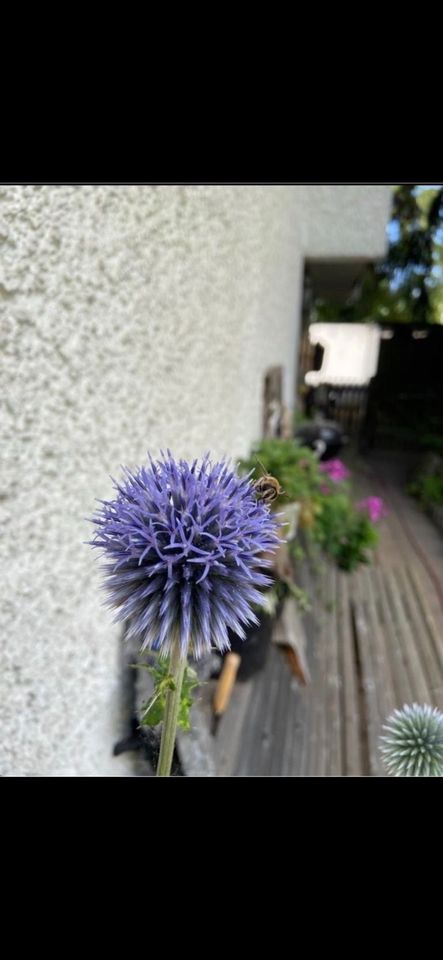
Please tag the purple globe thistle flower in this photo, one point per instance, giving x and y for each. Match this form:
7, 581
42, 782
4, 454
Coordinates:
185, 546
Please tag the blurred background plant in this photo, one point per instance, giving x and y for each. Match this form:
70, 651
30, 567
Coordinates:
345, 531
295, 467
427, 485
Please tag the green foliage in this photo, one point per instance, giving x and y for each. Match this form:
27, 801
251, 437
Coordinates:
284, 588
328, 514
428, 489
432, 441
408, 286
300, 418
428, 429
346, 534
294, 466
153, 711
297, 552
413, 268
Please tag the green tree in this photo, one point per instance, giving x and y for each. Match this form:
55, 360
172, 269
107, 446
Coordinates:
407, 287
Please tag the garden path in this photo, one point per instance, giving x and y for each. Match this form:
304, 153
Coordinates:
374, 642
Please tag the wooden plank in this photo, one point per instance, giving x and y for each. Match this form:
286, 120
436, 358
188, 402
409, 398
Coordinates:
285, 712
385, 684
326, 694
228, 742
430, 609
252, 728
399, 673
333, 683
281, 720
417, 679
292, 702
296, 730
270, 754
368, 672
421, 540
301, 762
261, 721
317, 737
422, 637
301, 743
352, 758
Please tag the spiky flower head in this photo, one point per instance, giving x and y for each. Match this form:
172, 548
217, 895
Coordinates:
184, 544
413, 744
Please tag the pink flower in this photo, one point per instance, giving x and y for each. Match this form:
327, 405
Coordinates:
335, 470
374, 506
324, 488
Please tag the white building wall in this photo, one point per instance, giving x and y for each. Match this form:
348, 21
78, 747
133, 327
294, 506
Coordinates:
132, 318
344, 221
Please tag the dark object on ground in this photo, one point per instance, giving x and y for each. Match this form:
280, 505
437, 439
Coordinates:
324, 436
148, 740
253, 650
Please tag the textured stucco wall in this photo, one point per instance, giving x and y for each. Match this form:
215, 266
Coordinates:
131, 318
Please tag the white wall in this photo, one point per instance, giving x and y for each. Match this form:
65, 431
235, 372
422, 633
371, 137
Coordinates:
132, 318
344, 220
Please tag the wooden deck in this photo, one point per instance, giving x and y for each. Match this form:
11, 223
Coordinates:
375, 642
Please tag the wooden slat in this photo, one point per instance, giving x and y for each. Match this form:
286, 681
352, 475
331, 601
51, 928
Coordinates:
399, 674
292, 703
432, 667
262, 727
333, 725
301, 743
364, 641
430, 609
352, 757
252, 728
281, 719
385, 685
228, 743
417, 679
295, 733
301, 762
317, 760
269, 762
333, 683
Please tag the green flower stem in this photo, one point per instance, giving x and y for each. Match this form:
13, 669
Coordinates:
177, 667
